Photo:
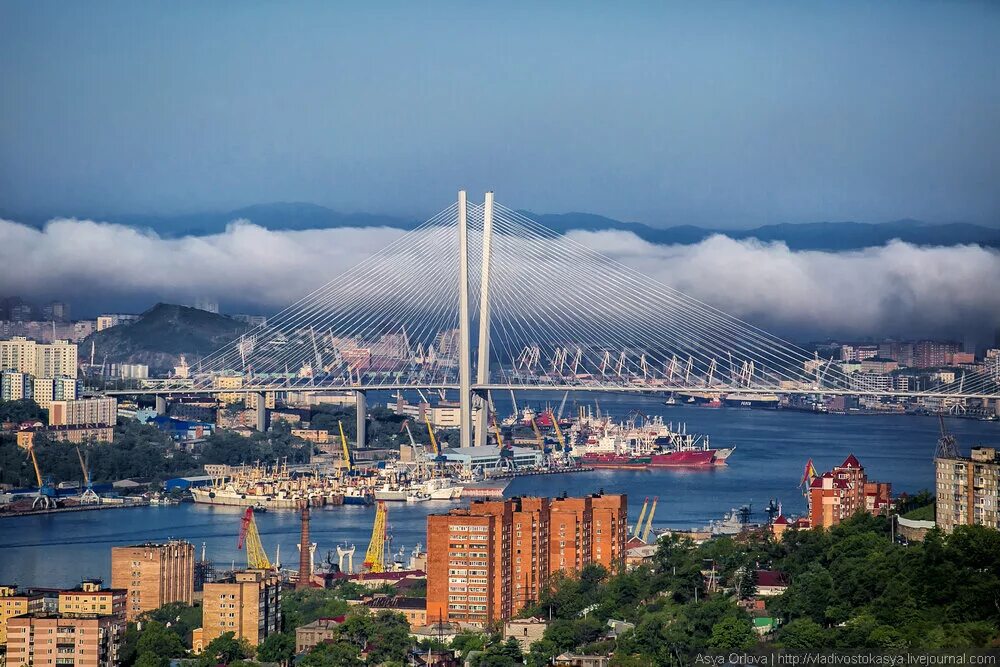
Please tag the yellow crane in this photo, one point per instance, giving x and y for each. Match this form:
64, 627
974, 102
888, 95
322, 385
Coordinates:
538, 434
496, 430
348, 464
559, 433
435, 448
375, 556
642, 515
256, 556
649, 521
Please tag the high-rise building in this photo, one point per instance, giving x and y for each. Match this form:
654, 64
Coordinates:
84, 411
153, 575
932, 353
248, 605
45, 639
41, 360
610, 531
15, 385
468, 574
46, 390
489, 561
15, 603
56, 311
530, 525
968, 489
839, 494
570, 523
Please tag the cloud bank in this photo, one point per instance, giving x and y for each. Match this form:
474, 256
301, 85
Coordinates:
896, 289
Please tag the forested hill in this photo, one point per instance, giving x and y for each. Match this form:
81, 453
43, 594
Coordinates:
161, 335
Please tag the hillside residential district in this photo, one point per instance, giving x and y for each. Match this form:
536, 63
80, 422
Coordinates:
569, 580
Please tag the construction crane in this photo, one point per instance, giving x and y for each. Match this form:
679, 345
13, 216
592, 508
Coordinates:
375, 556
348, 463
435, 447
496, 431
46, 498
89, 496
256, 556
406, 425
642, 515
649, 521
538, 434
564, 447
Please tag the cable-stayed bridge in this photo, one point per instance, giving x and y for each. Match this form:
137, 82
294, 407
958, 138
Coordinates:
480, 297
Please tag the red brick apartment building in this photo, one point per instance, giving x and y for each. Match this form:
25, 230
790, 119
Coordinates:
489, 561
838, 494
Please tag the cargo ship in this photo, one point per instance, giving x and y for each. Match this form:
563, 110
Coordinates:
752, 401
651, 444
485, 489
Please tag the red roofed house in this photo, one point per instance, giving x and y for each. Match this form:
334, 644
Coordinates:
770, 582
844, 491
783, 523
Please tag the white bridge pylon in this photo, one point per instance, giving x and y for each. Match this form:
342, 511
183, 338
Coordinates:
482, 297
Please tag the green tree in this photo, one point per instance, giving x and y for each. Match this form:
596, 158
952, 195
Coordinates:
465, 642
501, 654
803, 634
156, 639
149, 659
333, 654
279, 647
732, 633
225, 649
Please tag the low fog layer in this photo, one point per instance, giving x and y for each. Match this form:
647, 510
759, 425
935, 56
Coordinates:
897, 289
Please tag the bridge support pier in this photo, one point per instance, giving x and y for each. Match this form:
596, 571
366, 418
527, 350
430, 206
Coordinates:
262, 412
361, 401
464, 342
481, 403
161, 405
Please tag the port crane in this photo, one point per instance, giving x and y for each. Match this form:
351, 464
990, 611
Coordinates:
348, 462
46, 498
546, 450
256, 556
642, 532
375, 555
564, 446
89, 496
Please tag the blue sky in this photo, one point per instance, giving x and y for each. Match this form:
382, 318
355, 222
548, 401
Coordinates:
725, 114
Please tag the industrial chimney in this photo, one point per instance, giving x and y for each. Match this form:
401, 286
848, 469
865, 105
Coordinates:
305, 561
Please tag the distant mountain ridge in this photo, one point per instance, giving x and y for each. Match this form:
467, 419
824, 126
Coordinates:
831, 236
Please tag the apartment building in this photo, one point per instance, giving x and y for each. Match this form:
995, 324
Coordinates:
468, 576
90, 598
570, 526
83, 411
489, 561
44, 639
968, 489
153, 575
840, 493
46, 390
39, 359
609, 532
15, 603
248, 605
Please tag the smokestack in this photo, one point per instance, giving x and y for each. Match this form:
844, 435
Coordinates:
305, 561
